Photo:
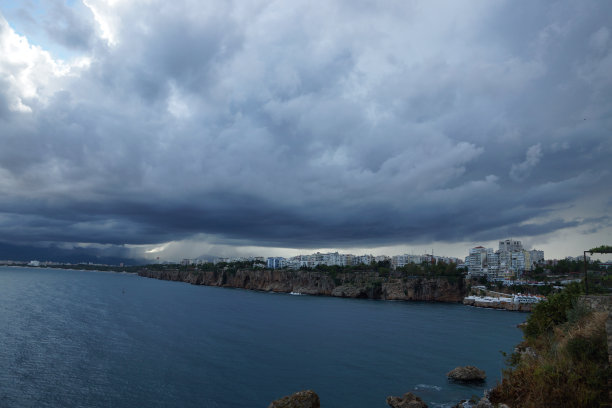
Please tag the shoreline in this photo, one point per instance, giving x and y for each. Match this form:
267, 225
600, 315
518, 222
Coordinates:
363, 285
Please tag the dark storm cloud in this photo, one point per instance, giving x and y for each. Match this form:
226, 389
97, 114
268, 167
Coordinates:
300, 126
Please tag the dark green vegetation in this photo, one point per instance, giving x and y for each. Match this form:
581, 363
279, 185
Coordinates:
563, 360
553, 312
602, 249
383, 268
384, 271
564, 266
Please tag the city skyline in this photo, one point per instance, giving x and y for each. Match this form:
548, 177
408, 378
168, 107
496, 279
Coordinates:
146, 129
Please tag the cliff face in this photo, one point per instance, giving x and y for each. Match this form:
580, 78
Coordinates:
367, 285
520, 307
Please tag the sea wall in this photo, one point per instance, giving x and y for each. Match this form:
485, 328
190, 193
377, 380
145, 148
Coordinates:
367, 285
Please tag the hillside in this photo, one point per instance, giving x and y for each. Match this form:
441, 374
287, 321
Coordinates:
563, 361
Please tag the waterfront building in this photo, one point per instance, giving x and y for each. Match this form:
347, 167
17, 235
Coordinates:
276, 262
509, 259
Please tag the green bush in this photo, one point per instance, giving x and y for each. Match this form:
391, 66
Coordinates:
563, 361
553, 311
586, 348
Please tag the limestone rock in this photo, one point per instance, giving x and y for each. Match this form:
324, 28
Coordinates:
484, 403
349, 291
467, 374
367, 284
301, 399
408, 400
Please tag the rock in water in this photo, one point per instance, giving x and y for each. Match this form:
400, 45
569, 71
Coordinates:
408, 400
301, 399
467, 374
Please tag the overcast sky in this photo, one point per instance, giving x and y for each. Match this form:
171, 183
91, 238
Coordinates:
182, 128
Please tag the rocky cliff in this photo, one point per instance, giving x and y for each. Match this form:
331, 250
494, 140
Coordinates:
367, 285
517, 307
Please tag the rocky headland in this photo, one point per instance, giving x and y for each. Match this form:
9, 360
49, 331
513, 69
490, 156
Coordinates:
504, 305
366, 285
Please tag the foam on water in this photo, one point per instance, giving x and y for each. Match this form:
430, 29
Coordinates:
427, 387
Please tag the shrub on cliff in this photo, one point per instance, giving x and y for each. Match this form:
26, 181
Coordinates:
563, 361
552, 312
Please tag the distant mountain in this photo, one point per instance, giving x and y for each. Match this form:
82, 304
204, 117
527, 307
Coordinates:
75, 255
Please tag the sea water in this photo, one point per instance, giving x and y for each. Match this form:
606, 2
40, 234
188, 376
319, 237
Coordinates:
104, 339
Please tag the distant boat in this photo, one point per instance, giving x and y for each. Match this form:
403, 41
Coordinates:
295, 293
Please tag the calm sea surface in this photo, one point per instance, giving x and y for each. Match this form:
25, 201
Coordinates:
98, 339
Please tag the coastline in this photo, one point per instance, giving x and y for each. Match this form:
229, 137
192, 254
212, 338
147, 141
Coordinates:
360, 285
356, 285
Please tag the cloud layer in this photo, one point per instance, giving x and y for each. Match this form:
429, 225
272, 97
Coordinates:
305, 125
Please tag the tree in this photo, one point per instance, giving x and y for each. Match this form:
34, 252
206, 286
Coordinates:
602, 249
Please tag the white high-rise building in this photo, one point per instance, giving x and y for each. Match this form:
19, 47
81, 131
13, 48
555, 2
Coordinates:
492, 262
537, 257
477, 263
510, 258
276, 262
510, 246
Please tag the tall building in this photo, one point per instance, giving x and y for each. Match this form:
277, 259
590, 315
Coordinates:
510, 258
477, 261
510, 246
492, 261
537, 257
276, 262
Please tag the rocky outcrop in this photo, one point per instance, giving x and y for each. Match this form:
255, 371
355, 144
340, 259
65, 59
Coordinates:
367, 285
518, 307
301, 399
484, 403
408, 400
467, 374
